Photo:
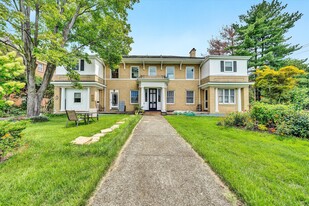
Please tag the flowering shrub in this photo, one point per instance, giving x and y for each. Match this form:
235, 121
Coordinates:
10, 134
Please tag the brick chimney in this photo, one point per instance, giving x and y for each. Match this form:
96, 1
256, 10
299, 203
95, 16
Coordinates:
192, 52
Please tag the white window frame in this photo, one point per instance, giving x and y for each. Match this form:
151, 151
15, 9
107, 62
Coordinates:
118, 74
40, 67
131, 72
152, 67
74, 97
190, 67
170, 67
225, 66
79, 64
193, 96
133, 90
118, 95
173, 96
229, 96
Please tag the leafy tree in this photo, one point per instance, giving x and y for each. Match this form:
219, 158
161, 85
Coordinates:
11, 67
224, 45
58, 32
261, 34
275, 84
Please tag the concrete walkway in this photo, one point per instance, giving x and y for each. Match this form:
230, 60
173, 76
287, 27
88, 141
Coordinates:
157, 167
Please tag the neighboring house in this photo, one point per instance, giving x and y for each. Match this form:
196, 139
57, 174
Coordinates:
215, 84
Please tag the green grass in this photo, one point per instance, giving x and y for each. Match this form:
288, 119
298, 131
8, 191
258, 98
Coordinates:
261, 168
49, 170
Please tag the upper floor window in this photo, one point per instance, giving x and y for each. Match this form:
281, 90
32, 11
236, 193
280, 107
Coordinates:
152, 71
115, 73
226, 96
80, 66
40, 67
190, 73
170, 72
134, 72
228, 66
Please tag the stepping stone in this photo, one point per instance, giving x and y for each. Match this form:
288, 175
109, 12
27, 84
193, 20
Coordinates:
106, 130
81, 140
120, 122
93, 140
98, 135
115, 126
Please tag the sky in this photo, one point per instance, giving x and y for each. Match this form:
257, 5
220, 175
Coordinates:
174, 27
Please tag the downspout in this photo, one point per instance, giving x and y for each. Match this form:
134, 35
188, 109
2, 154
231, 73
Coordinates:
105, 90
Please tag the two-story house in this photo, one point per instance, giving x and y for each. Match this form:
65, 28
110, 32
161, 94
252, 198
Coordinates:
215, 84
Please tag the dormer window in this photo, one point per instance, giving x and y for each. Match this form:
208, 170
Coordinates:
228, 66
80, 66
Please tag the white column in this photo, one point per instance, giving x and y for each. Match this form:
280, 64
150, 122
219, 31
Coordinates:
62, 106
163, 99
216, 100
105, 96
89, 98
239, 99
142, 97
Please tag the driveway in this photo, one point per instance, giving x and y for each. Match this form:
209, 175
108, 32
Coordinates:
157, 167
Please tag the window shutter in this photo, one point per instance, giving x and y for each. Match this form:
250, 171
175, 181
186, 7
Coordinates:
235, 66
222, 66
82, 65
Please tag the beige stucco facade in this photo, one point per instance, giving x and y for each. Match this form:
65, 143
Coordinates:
184, 79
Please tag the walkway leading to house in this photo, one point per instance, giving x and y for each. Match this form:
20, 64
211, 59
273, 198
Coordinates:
157, 167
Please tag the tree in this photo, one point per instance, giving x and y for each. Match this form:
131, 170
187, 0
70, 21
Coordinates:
224, 45
10, 68
58, 32
261, 34
275, 84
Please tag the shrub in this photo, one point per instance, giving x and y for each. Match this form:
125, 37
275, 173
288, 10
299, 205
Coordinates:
236, 119
41, 118
296, 124
10, 134
262, 127
268, 114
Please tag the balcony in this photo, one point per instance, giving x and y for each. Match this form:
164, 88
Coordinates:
147, 78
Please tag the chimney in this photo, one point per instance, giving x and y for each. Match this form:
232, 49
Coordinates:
192, 52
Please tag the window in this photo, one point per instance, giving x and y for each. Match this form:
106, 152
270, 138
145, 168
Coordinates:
228, 66
152, 71
40, 67
190, 73
170, 72
134, 72
170, 97
226, 96
115, 74
134, 96
159, 95
146, 95
80, 66
190, 97
77, 97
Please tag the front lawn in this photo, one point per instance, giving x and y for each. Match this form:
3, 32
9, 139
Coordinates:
263, 169
49, 170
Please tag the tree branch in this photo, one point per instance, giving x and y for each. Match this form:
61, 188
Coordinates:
9, 43
70, 25
36, 24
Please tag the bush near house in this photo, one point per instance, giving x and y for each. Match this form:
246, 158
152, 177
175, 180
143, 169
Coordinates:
279, 119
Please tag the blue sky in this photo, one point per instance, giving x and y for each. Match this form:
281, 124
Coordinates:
174, 27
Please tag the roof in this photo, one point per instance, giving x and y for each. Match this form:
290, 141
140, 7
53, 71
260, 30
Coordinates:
161, 56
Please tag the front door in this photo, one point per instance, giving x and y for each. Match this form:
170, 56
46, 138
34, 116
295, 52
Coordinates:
152, 99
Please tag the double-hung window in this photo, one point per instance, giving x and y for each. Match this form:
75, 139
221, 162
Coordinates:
80, 66
190, 97
77, 97
152, 71
228, 66
134, 97
170, 72
170, 97
40, 67
115, 73
189, 72
134, 72
226, 96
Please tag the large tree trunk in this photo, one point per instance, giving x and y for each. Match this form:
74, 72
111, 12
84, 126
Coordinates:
35, 96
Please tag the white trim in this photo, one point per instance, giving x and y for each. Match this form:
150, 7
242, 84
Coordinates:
225, 61
190, 67
79, 97
239, 99
172, 67
193, 97
69, 84
173, 96
131, 78
229, 99
131, 90
216, 100
152, 67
